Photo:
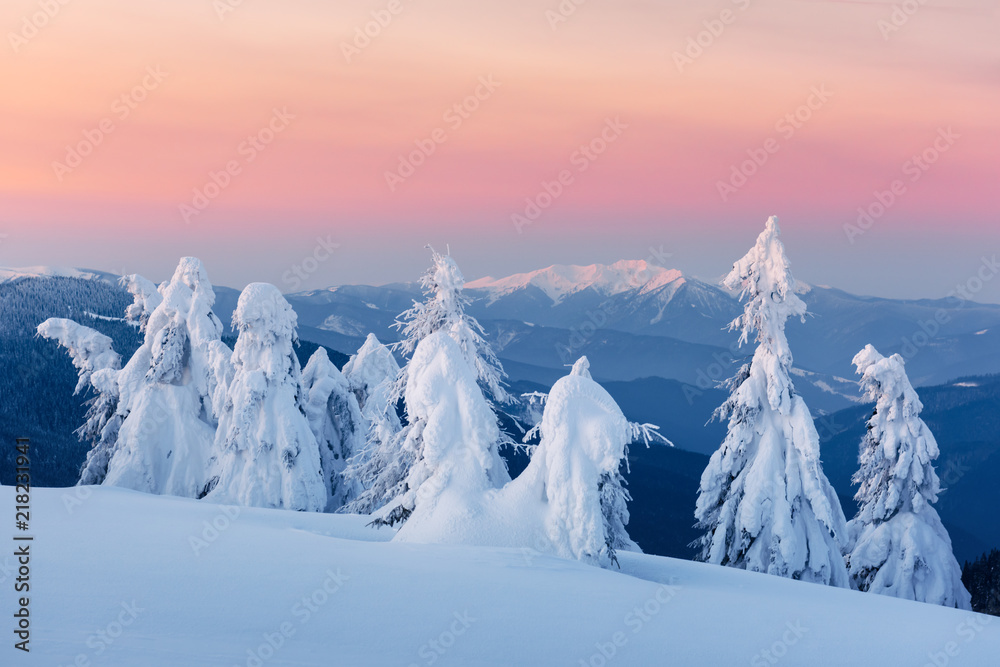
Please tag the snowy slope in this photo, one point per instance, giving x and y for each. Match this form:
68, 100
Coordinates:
116, 580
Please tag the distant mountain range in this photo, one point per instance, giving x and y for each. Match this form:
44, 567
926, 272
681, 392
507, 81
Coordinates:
634, 319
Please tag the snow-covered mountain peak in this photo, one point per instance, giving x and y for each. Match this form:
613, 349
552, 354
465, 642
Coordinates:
559, 280
10, 273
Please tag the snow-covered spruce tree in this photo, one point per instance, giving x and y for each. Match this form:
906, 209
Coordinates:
384, 469
443, 309
899, 546
381, 465
265, 452
764, 502
97, 365
167, 389
452, 440
576, 469
371, 373
336, 421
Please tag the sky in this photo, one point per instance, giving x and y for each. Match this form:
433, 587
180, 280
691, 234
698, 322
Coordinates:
311, 143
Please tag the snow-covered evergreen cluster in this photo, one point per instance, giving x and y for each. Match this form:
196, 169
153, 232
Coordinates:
765, 504
420, 447
188, 416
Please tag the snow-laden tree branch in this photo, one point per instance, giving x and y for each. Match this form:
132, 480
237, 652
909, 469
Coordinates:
97, 365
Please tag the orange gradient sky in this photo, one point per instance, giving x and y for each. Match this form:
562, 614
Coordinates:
657, 184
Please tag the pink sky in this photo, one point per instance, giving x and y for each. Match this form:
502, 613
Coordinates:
656, 184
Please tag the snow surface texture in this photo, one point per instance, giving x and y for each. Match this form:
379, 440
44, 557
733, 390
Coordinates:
764, 500
567, 502
336, 421
900, 547
217, 582
267, 455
